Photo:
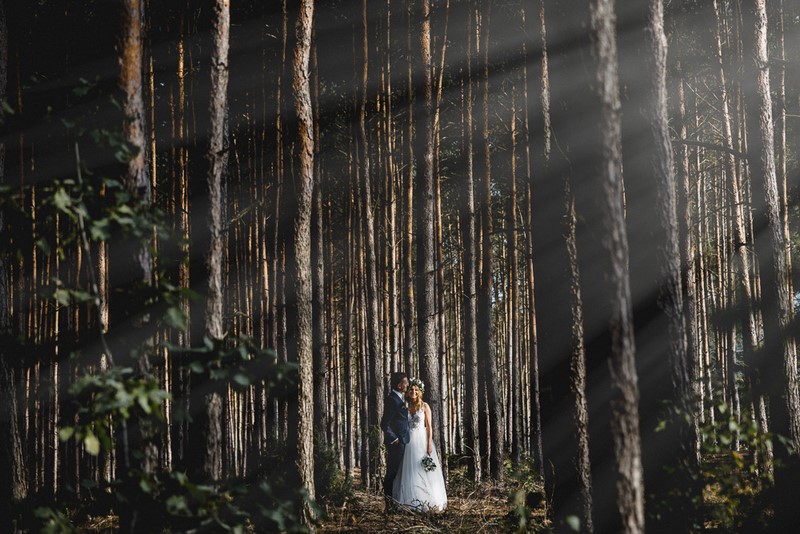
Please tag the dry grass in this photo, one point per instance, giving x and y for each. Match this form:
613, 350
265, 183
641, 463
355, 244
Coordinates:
484, 509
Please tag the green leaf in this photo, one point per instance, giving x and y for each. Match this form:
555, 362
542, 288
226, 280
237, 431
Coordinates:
65, 433
177, 505
62, 200
218, 374
176, 318
146, 485
100, 230
574, 522
92, 444
81, 296
241, 379
144, 404
62, 297
43, 245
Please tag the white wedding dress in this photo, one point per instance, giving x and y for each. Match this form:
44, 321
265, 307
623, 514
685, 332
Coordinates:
413, 486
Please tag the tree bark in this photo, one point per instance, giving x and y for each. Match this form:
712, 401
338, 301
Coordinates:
218, 162
486, 329
429, 367
301, 260
469, 293
13, 472
409, 337
666, 407
779, 366
137, 179
374, 356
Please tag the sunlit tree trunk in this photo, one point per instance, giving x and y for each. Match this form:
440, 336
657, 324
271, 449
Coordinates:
424, 206
486, 347
218, 158
348, 376
318, 264
469, 330
688, 253
137, 179
139, 268
537, 154
742, 247
300, 267
779, 367
663, 363
409, 301
624, 383
512, 354
374, 356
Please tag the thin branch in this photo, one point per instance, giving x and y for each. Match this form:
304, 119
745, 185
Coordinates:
88, 252
711, 146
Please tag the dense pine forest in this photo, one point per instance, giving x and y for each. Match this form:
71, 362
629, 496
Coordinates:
223, 225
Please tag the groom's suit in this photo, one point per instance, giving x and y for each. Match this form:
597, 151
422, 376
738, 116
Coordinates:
395, 428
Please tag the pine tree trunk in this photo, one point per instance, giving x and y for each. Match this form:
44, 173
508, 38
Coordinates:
318, 262
512, 354
624, 399
663, 363
537, 154
409, 338
218, 158
137, 179
688, 253
374, 355
424, 206
469, 298
779, 371
301, 268
13, 472
740, 238
486, 347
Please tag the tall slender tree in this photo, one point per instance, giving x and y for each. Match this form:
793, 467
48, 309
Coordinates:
13, 473
779, 364
656, 277
375, 355
218, 162
489, 375
429, 367
303, 335
469, 260
137, 178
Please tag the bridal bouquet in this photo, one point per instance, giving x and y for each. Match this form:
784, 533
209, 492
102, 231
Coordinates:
428, 464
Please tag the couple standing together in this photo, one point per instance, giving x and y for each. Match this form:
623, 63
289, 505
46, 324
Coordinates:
413, 472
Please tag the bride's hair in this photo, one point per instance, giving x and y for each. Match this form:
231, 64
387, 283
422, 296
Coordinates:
414, 404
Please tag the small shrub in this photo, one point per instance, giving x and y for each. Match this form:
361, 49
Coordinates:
329, 481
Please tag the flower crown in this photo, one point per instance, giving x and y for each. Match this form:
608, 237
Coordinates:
417, 382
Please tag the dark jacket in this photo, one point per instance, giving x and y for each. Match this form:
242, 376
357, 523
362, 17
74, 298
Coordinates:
395, 419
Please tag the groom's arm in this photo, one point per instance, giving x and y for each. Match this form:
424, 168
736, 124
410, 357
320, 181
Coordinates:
388, 407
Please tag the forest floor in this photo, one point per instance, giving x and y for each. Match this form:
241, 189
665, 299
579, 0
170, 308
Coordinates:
484, 508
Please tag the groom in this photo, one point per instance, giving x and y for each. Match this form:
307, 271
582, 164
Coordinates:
395, 429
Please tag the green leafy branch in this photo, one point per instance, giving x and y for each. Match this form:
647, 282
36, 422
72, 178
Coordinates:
240, 362
109, 398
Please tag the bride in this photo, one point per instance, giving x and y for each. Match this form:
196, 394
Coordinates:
419, 483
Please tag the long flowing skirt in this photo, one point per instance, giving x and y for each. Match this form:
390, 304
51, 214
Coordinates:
413, 486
